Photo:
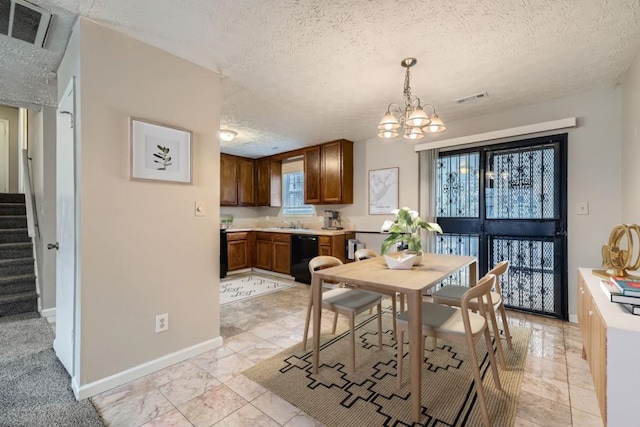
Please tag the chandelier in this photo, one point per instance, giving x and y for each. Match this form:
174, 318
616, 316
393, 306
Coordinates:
413, 121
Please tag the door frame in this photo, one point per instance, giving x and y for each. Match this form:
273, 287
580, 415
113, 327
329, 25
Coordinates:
4, 148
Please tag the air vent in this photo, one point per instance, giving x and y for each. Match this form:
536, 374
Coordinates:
24, 21
472, 97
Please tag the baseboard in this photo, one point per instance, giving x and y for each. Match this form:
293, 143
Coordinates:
48, 312
573, 318
97, 387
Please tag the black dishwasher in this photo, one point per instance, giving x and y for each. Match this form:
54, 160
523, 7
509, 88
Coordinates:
304, 247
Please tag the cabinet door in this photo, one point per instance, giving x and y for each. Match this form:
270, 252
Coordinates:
263, 254
228, 181
583, 309
331, 173
238, 254
269, 182
246, 182
312, 175
598, 358
282, 257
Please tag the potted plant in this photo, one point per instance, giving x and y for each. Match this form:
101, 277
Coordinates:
406, 228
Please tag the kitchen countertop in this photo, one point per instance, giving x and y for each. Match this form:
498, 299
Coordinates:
314, 231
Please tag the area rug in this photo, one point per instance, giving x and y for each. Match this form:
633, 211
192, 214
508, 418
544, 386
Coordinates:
244, 287
369, 397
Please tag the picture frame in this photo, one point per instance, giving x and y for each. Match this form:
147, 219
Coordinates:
159, 152
383, 190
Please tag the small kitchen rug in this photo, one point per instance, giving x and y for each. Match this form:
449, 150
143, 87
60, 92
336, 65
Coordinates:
244, 287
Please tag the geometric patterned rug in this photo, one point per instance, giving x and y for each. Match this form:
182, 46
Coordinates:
369, 397
248, 287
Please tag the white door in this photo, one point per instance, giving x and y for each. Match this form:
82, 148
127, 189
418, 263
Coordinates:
4, 156
64, 343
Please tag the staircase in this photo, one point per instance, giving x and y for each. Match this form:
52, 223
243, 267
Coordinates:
17, 275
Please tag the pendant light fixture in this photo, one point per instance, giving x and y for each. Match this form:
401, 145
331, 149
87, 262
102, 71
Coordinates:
413, 121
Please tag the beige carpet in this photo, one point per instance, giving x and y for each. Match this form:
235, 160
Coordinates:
370, 397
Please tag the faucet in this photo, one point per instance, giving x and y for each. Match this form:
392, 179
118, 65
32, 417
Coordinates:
290, 224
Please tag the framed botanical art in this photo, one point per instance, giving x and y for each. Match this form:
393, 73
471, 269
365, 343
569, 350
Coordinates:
383, 191
159, 152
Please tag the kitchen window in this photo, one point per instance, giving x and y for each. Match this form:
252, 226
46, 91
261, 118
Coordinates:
293, 193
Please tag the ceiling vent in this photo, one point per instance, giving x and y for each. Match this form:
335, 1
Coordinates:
24, 21
472, 97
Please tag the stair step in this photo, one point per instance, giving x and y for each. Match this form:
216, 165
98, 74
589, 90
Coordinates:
24, 302
17, 284
16, 250
11, 198
14, 235
16, 266
13, 209
13, 221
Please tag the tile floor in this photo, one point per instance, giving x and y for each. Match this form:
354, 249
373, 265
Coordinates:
209, 390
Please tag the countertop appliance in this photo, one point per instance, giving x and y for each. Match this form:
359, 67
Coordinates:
304, 247
332, 220
224, 259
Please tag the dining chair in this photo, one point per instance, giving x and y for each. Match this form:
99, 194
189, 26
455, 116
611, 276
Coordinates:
364, 253
459, 325
345, 301
452, 295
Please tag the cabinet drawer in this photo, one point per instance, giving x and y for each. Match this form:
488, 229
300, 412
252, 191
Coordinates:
281, 237
241, 235
260, 235
324, 240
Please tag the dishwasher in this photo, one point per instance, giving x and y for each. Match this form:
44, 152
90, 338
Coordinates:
304, 247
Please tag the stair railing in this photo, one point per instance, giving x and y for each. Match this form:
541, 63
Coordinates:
30, 197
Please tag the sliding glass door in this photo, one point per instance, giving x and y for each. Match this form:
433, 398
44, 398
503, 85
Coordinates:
508, 202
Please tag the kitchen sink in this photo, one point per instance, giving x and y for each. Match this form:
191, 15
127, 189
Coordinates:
284, 228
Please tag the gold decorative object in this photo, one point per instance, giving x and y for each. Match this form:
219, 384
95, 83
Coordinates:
618, 255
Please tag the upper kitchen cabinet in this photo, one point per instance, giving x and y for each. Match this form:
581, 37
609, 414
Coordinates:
237, 181
269, 182
328, 173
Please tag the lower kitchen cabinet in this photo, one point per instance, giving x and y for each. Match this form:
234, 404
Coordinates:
239, 250
281, 251
335, 246
264, 250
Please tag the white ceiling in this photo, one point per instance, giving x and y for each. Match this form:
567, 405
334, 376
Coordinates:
302, 72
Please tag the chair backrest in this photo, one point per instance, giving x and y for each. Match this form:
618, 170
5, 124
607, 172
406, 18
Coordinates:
481, 291
501, 268
365, 253
324, 261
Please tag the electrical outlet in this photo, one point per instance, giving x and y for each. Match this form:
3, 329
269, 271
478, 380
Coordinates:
162, 322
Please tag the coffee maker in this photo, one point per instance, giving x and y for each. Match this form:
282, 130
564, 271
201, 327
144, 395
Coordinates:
332, 220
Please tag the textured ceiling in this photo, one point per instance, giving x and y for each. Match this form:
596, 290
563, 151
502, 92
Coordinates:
300, 72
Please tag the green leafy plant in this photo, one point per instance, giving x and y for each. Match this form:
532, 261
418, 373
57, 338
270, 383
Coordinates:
406, 228
164, 158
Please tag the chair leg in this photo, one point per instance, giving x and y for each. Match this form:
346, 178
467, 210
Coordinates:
496, 334
505, 325
306, 324
380, 325
401, 302
478, 380
394, 313
492, 360
399, 359
352, 334
335, 323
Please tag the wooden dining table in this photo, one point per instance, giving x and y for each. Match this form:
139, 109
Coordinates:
373, 274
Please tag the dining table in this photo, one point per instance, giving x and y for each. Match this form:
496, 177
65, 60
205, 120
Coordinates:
373, 274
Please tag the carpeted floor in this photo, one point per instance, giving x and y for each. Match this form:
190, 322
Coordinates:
35, 389
370, 397
243, 287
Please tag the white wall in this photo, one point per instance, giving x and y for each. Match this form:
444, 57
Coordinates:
11, 114
593, 168
142, 252
631, 144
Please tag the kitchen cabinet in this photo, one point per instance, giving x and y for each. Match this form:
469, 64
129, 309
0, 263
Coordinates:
334, 245
328, 173
312, 175
237, 181
239, 250
273, 252
269, 182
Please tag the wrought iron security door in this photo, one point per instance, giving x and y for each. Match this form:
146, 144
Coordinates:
508, 202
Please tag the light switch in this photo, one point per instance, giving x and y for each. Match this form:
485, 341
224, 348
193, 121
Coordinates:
582, 208
199, 209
